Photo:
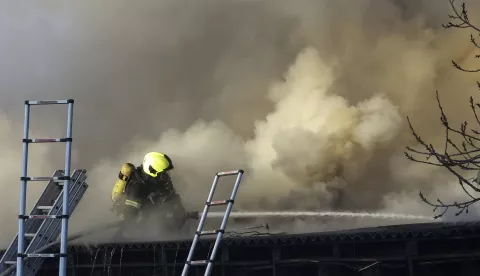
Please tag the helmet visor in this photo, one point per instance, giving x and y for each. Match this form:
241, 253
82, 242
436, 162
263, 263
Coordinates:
156, 173
153, 171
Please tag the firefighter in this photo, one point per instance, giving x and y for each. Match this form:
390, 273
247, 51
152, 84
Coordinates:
142, 189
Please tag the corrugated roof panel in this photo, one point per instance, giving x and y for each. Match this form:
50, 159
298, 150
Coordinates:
424, 230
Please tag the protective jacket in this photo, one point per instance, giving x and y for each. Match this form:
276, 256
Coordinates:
141, 191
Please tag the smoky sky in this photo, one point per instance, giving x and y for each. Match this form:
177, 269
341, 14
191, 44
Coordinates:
140, 69
136, 69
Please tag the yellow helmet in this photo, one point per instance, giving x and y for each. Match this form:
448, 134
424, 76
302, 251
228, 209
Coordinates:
155, 163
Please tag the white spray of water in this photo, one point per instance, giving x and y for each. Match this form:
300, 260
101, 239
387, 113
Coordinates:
320, 214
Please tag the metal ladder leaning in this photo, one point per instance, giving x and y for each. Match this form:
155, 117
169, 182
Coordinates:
65, 191
219, 232
39, 233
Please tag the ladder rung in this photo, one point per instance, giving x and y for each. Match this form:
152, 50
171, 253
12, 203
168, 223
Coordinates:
229, 173
30, 235
45, 178
208, 232
10, 262
201, 262
44, 207
44, 216
49, 102
47, 140
218, 202
42, 255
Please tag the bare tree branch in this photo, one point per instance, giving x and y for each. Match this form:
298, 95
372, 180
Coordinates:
460, 19
452, 157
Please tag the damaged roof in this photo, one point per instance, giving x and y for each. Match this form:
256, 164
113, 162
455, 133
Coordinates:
392, 232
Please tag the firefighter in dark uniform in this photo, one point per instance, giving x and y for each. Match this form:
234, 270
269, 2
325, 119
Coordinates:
143, 189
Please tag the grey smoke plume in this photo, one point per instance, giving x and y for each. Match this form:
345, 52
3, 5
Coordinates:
309, 97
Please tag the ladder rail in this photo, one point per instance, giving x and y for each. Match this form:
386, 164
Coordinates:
64, 234
23, 194
220, 232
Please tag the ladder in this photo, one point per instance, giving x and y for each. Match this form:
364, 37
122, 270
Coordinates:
218, 232
66, 185
39, 233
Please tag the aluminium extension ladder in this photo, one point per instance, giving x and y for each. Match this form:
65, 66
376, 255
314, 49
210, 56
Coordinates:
64, 215
219, 232
40, 233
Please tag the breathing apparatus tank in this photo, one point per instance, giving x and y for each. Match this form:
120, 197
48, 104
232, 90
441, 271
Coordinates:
120, 185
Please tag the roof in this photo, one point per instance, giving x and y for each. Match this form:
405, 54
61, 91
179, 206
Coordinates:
440, 230
391, 232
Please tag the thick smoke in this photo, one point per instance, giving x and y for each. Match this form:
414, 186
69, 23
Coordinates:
309, 97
